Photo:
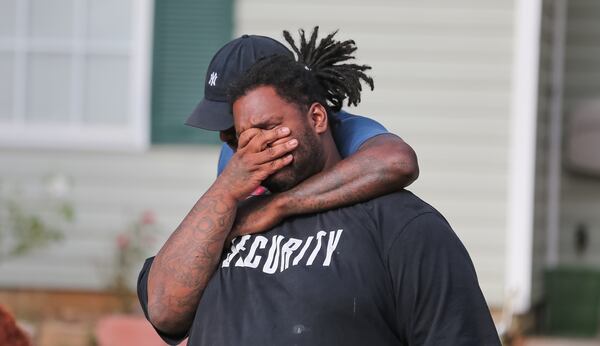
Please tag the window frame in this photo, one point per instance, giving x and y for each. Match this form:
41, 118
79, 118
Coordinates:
132, 135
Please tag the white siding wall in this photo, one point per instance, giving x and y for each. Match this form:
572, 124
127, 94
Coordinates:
581, 195
109, 191
442, 82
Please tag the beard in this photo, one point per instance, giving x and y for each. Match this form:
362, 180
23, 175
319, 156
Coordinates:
308, 160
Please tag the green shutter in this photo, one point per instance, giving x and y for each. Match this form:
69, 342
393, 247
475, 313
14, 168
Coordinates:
186, 35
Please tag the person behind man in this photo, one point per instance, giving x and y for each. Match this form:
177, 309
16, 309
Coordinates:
376, 162
389, 271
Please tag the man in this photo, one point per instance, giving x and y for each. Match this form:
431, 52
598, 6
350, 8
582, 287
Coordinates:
386, 272
376, 162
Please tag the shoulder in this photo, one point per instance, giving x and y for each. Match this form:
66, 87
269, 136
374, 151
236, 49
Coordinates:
396, 212
342, 115
401, 206
350, 131
344, 119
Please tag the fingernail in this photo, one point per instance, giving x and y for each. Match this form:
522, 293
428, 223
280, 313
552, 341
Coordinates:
293, 142
284, 130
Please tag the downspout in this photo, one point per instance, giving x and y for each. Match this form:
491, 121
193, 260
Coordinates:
555, 133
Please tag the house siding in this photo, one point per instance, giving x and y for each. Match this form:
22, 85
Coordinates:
109, 191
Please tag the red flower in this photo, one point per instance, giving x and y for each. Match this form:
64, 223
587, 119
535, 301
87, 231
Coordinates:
122, 241
148, 218
148, 240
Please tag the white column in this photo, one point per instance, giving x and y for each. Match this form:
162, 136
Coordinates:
523, 124
141, 70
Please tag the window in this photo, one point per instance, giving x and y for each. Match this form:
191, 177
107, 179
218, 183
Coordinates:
75, 73
187, 33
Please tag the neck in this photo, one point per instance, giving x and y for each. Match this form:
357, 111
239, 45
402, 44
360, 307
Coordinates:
332, 155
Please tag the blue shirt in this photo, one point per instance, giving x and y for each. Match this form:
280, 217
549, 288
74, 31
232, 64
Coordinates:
349, 133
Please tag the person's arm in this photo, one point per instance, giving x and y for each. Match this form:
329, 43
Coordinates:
183, 266
382, 164
185, 263
142, 293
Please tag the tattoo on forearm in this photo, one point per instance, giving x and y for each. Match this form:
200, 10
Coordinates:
185, 264
341, 186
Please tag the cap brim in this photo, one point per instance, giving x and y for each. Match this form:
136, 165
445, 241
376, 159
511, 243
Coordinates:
211, 115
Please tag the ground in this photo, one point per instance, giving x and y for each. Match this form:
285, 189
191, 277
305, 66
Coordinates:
69, 318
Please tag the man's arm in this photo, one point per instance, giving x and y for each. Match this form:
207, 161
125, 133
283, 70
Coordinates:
383, 164
182, 268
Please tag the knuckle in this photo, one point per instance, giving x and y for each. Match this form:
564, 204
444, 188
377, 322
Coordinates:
259, 135
275, 165
243, 137
247, 136
272, 133
256, 142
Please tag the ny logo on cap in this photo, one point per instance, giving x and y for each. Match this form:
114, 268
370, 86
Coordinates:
213, 79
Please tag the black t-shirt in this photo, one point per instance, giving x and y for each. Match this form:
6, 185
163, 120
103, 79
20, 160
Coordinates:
386, 272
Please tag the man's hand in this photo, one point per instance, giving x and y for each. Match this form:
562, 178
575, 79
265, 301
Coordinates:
260, 153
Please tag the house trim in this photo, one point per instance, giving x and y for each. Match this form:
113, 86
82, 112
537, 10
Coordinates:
523, 120
141, 72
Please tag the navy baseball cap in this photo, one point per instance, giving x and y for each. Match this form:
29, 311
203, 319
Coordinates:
236, 57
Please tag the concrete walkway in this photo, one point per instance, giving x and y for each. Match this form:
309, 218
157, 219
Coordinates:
541, 341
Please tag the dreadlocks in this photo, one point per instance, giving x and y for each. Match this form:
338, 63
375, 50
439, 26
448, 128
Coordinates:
318, 74
340, 81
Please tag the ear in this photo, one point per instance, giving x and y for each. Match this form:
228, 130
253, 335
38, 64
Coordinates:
318, 117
